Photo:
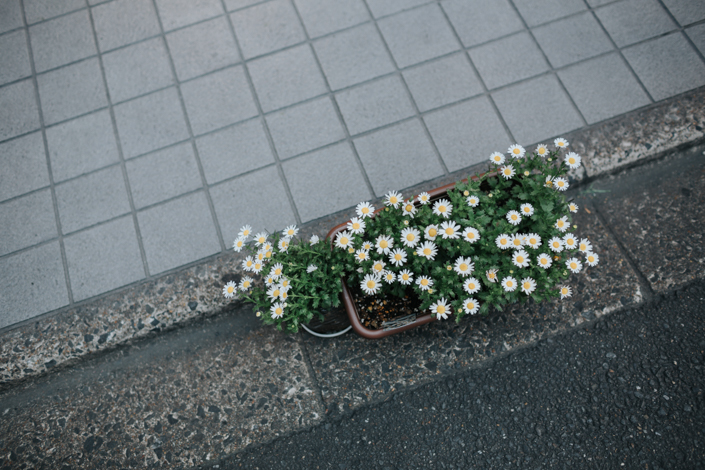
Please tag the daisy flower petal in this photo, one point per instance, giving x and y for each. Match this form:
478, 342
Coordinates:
574, 265
229, 290
573, 207
245, 232
408, 208
424, 282
356, 225
471, 285
514, 217
471, 306
277, 310
450, 230
491, 275
591, 259
423, 198
562, 224
572, 160
314, 239
555, 244
507, 171
471, 235
528, 285
503, 241
428, 250
410, 237
440, 308
443, 208
566, 292
516, 151
397, 257
370, 284
431, 232
585, 246
560, 143
509, 284
520, 258
239, 244
464, 266
544, 260
541, 150
384, 244
290, 231
364, 209
472, 201
311, 268
561, 184
527, 210
245, 283
343, 239
497, 158
393, 198
405, 277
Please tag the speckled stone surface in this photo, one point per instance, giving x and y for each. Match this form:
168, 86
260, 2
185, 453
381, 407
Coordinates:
352, 371
188, 397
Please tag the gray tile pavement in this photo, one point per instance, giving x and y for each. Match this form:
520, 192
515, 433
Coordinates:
142, 134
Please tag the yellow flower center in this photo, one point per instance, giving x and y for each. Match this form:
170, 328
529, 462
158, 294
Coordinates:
378, 267
491, 275
239, 244
397, 256
246, 233
560, 224
450, 231
365, 210
441, 209
570, 242
516, 151
497, 158
285, 283
514, 217
427, 251
278, 311
583, 247
556, 244
276, 293
471, 236
517, 242
393, 200
277, 272
284, 295
268, 254
527, 210
532, 241
573, 265
510, 283
383, 244
405, 276
571, 160
424, 282
471, 285
231, 289
544, 261
410, 237
520, 259
564, 291
527, 285
351, 250
542, 150
432, 232
507, 171
249, 263
463, 267
356, 226
470, 306
503, 241
258, 266
260, 239
343, 241
361, 255
440, 309
591, 258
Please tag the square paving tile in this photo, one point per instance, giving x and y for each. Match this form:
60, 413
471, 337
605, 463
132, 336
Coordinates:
150, 123
667, 65
572, 39
218, 99
62, 40
91, 199
398, 157
163, 175
179, 13
18, 109
234, 151
82, 145
603, 87
536, 12
286, 78
305, 127
417, 35
33, 282
325, 181
121, 22
631, 21
542, 98
267, 27
697, 35
178, 232
387, 7
26, 221
326, 16
508, 60
686, 11
231, 5
70, 91
11, 16
353, 56
39, 10
103, 258
442, 82
477, 22
137, 69
467, 133
202, 48
14, 56
374, 104
24, 165
258, 199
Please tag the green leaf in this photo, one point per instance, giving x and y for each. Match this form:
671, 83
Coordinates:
547, 206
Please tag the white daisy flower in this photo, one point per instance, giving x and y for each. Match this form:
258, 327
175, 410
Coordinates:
561, 184
277, 310
570, 242
384, 244
260, 255
266, 247
549, 181
314, 239
513, 217
450, 230
443, 207
408, 208
229, 290
509, 284
283, 295
285, 284
517, 241
573, 207
562, 224
397, 257
440, 308
572, 160
516, 151
389, 277
585, 246
507, 171
431, 232
245, 283
269, 281
574, 265
423, 198
544, 261
370, 284
410, 237
367, 246
491, 275
290, 231
424, 282
471, 285
248, 263
471, 306
257, 267
356, 225
527, 210
261, 238
283, 244
566, 292
555, 244
245, 232
541, 150
365, 209
472, 201
503, 241
276, 271
464, 266
533, 240
560, 143
311, 268
428, 250
591, 259
520, 258
239, 244
528, 285
343, 239
378, 267
471, 235
497, 158
362, 255
393, 198
405, 277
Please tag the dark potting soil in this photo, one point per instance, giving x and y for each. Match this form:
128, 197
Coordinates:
383, 312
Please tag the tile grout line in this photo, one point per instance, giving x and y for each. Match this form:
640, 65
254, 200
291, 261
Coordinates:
187, 121
45, 142
260, 112
485, 91
548, 62
398, 72
334, 102
681, 28
312, 372
121, 156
